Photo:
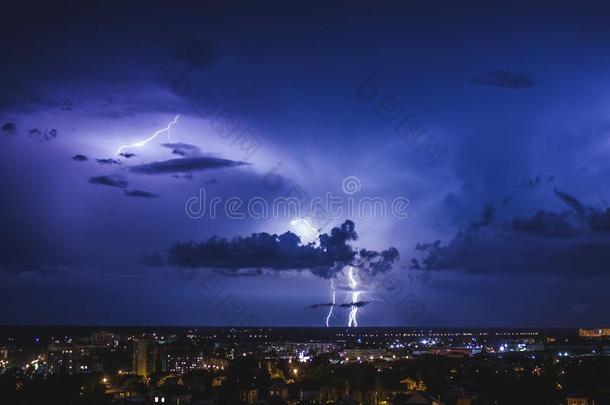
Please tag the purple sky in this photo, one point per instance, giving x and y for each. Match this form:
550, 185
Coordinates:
515, 99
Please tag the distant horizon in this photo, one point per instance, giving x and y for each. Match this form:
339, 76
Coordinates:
300, 327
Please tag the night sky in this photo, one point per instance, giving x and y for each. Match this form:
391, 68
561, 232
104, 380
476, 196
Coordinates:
493, 123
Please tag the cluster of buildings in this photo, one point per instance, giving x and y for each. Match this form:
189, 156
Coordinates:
594, 333
157, 366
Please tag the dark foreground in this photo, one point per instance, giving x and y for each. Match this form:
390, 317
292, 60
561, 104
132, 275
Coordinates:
121, 365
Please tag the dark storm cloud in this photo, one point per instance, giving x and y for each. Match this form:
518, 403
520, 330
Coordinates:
504, 79
9, 128
572, 202
487, 217
42, 135
378, 262
140, 193
127, 155
108, 161
357, 304
600, 220
180, 145
260, 250
573, 243
326, 304
185, 165
111, 181
80, 158
547, 224
283, 252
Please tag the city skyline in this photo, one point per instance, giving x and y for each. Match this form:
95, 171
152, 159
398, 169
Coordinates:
303, 366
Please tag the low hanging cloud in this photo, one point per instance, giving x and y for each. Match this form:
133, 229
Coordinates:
283, 253
323, 305
140, 194
9, 128
373, 262
127, 155
357, 304
108, 161
571, 243
186, 165
503, 79
80, 158
42, 135
111, 181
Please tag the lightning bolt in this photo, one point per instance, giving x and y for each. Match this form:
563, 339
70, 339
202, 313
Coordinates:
353, 284
303, 224
150, 138
330, 311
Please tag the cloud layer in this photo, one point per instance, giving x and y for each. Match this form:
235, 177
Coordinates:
572, 243
111, 181
283, 252
185, 165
